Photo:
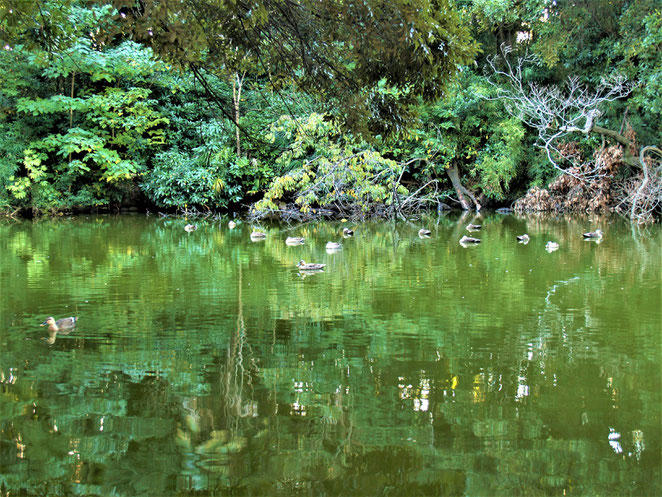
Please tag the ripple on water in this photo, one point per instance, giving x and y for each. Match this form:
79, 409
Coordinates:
214, 356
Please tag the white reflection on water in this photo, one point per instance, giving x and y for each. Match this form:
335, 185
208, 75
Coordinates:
638, 442
522, 388
614, 438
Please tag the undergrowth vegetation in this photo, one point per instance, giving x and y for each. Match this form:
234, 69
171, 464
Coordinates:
97, 114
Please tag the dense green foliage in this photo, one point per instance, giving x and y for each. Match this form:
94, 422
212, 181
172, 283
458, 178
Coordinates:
472, 133
335, 49
327, 173
293, 107
90, 122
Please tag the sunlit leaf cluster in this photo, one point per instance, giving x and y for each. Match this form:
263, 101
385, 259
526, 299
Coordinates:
325, 173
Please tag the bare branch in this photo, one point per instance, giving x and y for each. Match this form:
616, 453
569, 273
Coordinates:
555, 112
648, 195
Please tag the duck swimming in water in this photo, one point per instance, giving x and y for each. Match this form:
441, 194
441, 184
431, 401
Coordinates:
60, 323
257, 236
474, 227
346, 232
295, 240
232, 225
469, 239
190, 227
593, 234
423, 233
304, 266
523, 238
551, 246
333, 246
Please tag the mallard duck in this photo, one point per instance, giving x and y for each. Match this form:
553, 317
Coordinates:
333, 246
60, 323
551, 246
190, 227
295, 240
304, 266
423, 233
232, 225
346, 232
474, 227
523, 238
469, 239
258, 235
593, 234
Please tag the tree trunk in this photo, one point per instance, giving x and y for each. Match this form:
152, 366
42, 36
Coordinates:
462, 192
71, 111
237, 82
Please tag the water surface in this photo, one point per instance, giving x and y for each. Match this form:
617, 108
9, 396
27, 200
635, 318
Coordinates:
207, 364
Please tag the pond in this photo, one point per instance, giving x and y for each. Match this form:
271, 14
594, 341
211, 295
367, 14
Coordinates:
204, 363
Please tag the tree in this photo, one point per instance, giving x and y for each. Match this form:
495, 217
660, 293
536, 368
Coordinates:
558, 114
336, 49
96, 119
327, 175
470, 141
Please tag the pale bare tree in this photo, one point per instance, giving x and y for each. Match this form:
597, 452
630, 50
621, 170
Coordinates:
555, 112
559, 112
237, 80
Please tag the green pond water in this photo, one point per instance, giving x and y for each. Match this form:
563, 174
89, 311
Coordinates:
206, 364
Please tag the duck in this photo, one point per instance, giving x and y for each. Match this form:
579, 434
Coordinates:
474, 227
60, 324
469, 239
423, 233
232, 225
523, 238
258, 235
190, 227
551, 246
593, 234
304, 266
346, 232
333, 246
295, 240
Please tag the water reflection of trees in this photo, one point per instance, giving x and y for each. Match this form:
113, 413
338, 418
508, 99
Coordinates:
329, 384
213, 431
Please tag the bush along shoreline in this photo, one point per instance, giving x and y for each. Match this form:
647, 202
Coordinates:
174, 120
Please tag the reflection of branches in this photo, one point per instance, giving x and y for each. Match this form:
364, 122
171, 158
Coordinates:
555, 287
557, 316
235, 375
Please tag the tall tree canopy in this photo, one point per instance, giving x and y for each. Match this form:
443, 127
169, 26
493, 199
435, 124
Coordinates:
336, 49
